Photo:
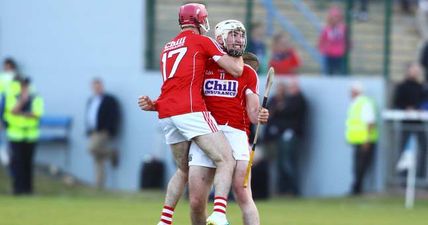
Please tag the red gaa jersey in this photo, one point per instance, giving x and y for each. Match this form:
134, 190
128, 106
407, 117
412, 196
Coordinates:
225, 95
183, 62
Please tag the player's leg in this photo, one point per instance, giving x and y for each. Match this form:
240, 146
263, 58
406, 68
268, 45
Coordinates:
200, 183
243, 195
180, 150
201, 176
202, 128
177, 182
218, 149
239, 141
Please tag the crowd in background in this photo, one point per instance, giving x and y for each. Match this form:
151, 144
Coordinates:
282, 138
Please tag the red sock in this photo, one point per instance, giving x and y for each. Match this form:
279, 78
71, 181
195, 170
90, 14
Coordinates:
166, 216
220, 204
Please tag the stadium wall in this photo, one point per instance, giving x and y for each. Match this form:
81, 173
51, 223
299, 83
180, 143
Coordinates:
62, 45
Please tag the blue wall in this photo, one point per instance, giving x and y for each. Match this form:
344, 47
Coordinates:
64, 44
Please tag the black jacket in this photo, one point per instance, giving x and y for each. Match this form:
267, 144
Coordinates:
108, 116
424, 59
288, 114
409, 93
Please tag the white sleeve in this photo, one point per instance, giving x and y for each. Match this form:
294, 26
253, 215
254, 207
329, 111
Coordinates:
249, 91
368, 113
216, 57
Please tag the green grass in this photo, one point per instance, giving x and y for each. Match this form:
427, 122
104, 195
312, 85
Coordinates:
56, 204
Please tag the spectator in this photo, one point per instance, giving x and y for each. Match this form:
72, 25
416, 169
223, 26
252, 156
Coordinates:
408, 96
333, 42
22, 113
284, 132
257, 46
284, 57
422, 19
10, 71
424, 59
361, 133
6, 77
102, 120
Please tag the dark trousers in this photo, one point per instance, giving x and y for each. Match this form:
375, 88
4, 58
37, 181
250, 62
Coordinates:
287, 166
362, 161
22, 155
335, 65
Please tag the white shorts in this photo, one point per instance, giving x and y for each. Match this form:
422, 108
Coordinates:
187, 126
238, 139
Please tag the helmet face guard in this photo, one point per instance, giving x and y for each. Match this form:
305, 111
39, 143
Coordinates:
233, 35
195, 15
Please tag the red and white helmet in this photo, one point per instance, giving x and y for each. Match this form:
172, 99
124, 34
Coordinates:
194, 14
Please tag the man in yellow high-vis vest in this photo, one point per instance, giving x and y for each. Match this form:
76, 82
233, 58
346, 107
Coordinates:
22, 114
361, 133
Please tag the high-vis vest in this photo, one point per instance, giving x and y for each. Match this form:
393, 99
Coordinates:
21, 128
357, 131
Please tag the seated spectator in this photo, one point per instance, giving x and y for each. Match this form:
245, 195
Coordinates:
284, 59
257, 46
333, 42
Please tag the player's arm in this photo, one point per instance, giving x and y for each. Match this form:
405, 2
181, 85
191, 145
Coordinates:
146, 103
233, 65
255, 113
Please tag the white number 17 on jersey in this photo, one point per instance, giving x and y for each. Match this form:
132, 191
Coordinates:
181, 52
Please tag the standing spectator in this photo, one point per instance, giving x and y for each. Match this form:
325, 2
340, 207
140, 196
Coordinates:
361, 133
409, 96
257, 46
102, 120
284, 132
22, 113
422, 19
333, 42
424, 59
284, 57
10, 72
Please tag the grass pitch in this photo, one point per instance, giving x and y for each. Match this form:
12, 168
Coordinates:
56, 204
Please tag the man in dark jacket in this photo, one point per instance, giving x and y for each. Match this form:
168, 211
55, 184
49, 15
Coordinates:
284, 132
102, 120
409, 96
424, 59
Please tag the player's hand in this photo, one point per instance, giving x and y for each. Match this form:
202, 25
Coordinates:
263, 116
146, 103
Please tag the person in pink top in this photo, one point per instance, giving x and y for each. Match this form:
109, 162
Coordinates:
333, 42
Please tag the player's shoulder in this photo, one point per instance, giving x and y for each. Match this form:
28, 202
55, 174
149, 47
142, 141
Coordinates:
249, 71
211, 64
